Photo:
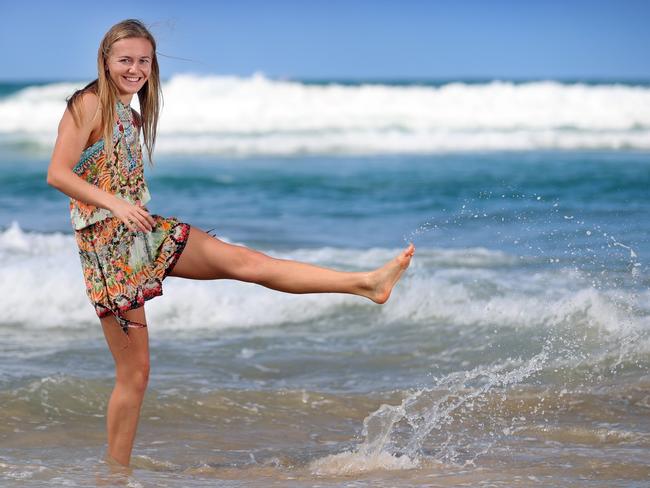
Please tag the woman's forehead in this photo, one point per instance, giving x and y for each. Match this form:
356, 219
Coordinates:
132, 46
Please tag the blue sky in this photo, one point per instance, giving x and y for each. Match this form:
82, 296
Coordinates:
340, 39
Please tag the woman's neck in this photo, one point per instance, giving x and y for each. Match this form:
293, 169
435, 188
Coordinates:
126, 99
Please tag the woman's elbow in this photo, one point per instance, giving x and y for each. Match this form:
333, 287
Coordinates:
52, 178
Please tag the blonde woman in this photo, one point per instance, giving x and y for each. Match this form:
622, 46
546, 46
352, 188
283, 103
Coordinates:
125, 251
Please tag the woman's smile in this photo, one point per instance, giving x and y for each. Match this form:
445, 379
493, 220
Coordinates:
132, 80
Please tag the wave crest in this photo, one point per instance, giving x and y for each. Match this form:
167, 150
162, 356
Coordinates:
227, 115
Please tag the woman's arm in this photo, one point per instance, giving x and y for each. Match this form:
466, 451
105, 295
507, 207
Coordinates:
70, 143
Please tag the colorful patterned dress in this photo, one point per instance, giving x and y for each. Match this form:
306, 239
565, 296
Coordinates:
122, 268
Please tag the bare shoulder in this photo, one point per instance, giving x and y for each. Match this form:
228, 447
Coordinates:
81, 120
89, 105
82, 114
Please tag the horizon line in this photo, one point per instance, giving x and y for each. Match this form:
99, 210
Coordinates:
371, 79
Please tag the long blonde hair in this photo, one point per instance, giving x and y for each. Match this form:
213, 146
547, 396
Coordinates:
149, 96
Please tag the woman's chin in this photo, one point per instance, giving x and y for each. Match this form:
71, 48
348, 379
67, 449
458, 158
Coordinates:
127, 90
130, 89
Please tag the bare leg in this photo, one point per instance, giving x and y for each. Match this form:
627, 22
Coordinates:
131, 378
208, 258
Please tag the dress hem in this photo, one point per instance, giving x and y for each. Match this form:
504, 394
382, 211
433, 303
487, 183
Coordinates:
180, 247
179, 251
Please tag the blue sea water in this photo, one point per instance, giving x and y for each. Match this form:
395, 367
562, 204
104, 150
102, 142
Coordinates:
515, 347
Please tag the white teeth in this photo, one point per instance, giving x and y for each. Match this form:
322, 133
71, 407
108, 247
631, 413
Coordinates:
131, 79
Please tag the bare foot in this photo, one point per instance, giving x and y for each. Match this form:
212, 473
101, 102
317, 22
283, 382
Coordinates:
382, 280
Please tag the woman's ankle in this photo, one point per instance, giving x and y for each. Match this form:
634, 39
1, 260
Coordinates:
113, 462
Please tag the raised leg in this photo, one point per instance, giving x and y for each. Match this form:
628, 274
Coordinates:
131, 378
207, 258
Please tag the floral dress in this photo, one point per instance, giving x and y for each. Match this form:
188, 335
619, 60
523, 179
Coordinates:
122, 268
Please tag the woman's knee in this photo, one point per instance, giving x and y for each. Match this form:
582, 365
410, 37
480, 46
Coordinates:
134, 375
248, 265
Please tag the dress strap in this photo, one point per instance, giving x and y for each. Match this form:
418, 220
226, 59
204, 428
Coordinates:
125, 324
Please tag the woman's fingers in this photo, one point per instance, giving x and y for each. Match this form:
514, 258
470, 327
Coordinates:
137, 222
144, 224
136, 218
148, 216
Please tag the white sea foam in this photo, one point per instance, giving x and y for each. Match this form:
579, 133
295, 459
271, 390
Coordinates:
41, 287
229, 115
347, 463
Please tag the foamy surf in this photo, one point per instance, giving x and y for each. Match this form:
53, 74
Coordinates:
356, 462
473, 287
256, 115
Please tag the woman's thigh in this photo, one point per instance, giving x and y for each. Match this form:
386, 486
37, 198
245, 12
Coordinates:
132, 352
207, 258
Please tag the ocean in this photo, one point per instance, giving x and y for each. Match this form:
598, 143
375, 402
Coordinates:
515, 351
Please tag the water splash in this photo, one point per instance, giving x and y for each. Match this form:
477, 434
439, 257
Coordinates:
430, 410
439, 422
400, 436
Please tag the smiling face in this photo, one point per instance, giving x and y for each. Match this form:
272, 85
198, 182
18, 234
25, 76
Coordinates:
129, 65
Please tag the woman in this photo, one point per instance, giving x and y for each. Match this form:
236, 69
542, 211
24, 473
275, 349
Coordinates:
125, 251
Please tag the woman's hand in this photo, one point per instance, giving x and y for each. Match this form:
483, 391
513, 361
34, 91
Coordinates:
135, 217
